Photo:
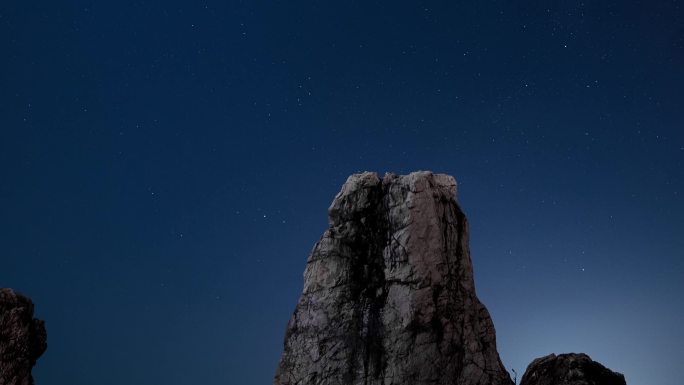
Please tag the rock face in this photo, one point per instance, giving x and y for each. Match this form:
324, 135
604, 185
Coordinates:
22, 338
569, 369
389, 297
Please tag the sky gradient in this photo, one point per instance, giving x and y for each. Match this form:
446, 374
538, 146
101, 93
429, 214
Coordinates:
166, 168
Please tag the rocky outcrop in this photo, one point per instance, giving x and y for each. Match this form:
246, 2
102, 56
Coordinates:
569, 369
22, 338
388, 294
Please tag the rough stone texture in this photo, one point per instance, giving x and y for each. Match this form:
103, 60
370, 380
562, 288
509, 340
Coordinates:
388, 295
22, 338
569, 369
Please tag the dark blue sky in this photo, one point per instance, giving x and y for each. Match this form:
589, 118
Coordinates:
166, 168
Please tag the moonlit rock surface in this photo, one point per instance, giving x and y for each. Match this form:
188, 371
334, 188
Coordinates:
569, 369
388, 295
22, 338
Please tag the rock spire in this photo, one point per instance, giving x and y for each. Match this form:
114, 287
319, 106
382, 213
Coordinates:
22, 338
389, 297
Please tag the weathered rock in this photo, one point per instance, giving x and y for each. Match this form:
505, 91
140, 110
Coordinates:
22, 338
569, 369
388, 295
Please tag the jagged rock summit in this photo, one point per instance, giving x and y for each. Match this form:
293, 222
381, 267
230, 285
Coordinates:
388, 294
569, 369
22, 338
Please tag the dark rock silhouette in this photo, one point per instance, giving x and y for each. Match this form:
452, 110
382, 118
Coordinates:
22, 338
388, 295
569, 369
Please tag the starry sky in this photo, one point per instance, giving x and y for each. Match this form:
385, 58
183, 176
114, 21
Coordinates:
166, 167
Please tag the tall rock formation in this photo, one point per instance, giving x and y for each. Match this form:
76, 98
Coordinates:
389, 297
569, 369
22, 338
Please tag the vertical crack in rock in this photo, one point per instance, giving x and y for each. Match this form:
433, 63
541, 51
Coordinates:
388, 294
367, 282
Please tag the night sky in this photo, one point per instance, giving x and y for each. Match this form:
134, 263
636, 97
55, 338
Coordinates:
166, 168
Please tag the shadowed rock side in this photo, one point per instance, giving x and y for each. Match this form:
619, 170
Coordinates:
22, 338
569, 369
388, 292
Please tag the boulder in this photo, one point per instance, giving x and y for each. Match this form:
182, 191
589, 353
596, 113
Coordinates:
569, 369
